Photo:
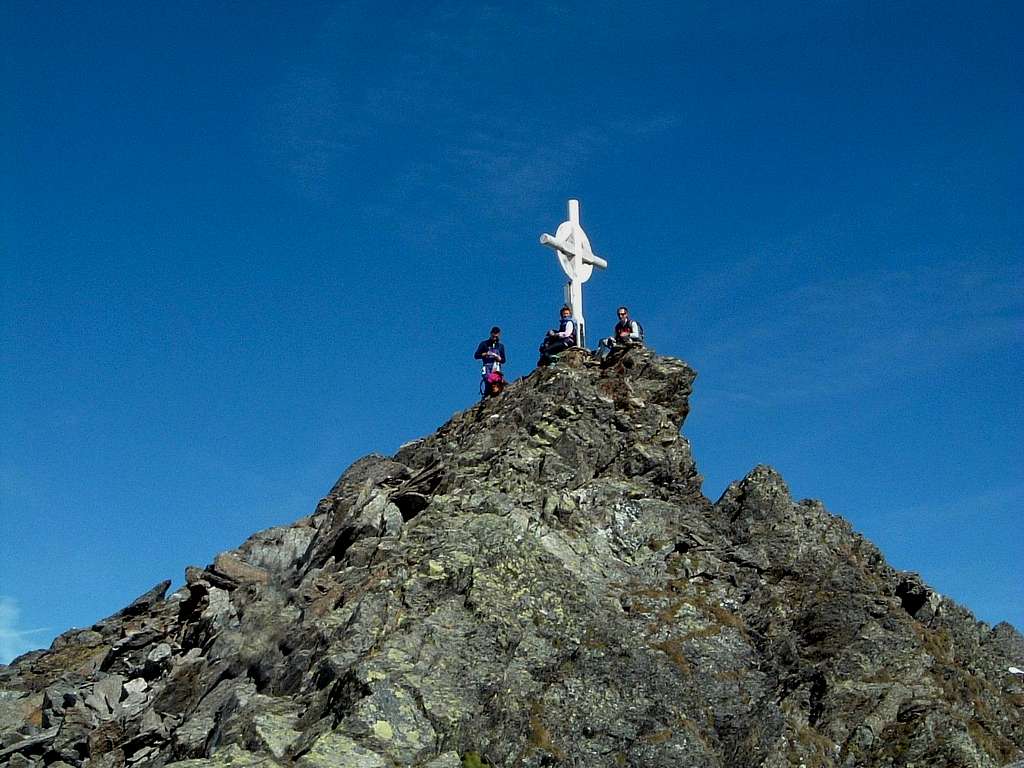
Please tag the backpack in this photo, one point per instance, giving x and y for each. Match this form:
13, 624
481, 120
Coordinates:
492, 384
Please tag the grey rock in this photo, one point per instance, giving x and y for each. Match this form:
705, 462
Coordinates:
16, 712
71, 742
20, 761
199, 733
144, 602
277, 550
112, 759
391, 722
134, 704
540, 582
274, 733
31, 744
231, 756
447, 760
334, 750
141, 755
159, 653
108, 691
237, 571
139, 684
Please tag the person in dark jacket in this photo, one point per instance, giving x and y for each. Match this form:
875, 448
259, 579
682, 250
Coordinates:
627, 332
561, 339
491, 351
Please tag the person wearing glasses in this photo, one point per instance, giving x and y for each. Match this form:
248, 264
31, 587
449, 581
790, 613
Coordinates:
628, 332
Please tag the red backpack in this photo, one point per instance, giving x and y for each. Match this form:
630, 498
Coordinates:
492, 384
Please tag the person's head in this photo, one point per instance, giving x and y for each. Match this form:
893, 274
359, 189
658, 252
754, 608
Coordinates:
623, 313
566, 311
495, 333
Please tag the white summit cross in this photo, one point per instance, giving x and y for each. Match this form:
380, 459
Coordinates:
572, 247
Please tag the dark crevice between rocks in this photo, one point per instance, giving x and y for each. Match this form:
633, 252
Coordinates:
323, 676
345, 539
912, 594
261, 675
343, 696
289, 682
413, 495
410, 504
816, 703
190, 607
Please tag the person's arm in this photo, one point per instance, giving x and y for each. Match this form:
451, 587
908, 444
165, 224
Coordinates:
567, 333
634, 331
501, 353
481, 347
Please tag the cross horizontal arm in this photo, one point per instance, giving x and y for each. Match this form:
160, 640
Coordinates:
558, 245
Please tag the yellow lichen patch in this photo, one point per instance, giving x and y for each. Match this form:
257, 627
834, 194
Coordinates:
397, 654
383, 730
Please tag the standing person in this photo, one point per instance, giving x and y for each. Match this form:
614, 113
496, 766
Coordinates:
627, 332
559, 340
492, 352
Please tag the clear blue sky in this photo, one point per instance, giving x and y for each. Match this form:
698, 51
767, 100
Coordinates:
245, 244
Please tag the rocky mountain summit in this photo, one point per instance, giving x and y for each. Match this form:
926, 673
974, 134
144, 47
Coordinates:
540, 582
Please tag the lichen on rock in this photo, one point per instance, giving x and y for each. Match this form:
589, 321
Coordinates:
539, 582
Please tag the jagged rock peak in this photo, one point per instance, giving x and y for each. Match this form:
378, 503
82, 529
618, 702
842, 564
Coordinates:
539, 582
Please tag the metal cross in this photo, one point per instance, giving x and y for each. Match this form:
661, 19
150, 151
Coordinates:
572, 246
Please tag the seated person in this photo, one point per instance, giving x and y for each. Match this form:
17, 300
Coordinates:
559, 340
627, 332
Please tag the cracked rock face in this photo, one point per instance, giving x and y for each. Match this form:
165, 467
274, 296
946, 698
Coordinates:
540, 582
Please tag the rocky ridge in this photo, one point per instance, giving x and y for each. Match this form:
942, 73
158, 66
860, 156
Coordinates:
540, 582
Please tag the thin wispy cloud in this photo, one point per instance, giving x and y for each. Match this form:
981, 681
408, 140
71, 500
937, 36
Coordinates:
14, 640
303, 132
413, 118
844, 335
965, 510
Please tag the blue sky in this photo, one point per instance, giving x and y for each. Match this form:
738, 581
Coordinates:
244, 245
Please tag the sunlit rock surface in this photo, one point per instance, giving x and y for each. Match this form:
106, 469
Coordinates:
539, 582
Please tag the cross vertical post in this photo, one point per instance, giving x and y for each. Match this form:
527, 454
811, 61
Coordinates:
572, 246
